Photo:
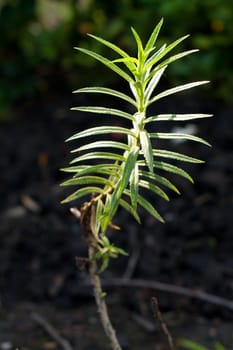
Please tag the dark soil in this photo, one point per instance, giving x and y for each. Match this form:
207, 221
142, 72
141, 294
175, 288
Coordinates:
40, 240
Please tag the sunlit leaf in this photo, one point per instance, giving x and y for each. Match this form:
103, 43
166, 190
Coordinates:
178, 136
102, 144
176, 156
176, 117
147, 148
98, 155
177, 89
156, 189
153, 37
107, 91
107, 63
100, 130
86, 180
104, 110
82, 192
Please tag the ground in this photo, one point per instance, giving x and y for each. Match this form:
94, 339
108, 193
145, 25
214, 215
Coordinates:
40, 240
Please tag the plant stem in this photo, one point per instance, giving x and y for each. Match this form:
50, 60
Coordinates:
86, 216
100, 301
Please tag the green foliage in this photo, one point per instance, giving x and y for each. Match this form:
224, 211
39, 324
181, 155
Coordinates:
118, 173
187, 344
106, 250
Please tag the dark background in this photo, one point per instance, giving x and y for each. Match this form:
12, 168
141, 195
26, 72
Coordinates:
39, 239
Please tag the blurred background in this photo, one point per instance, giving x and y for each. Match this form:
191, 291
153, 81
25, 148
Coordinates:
38, 36
39, 239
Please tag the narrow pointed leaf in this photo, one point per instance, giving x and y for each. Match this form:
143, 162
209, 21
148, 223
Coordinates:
176, 89
86, 180
176, 156
176, 117
153, 37
99, 130
82, 192
115, 48
165, 51
104, 110
153, 83
160, 179
149, 208
107, 91
139, 45
98, 155
147, 148
128, 207
177, 136
122, 184
86, 169
168, 61
173, 169
102, 144
156, 189
134, 181
107, 63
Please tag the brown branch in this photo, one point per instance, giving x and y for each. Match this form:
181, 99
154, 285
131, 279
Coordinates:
169, 288
157, 315
52, 332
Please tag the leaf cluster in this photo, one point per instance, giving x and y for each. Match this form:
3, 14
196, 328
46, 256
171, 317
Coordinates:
116, 173
123, 169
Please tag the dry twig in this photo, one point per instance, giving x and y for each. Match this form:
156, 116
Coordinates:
52, 332
157, 315
169, 288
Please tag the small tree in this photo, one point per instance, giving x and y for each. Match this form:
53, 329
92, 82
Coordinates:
114, 179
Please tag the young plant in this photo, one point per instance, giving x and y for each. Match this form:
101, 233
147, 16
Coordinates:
114, 173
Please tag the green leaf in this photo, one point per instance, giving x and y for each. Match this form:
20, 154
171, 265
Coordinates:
176, 89
141, 54
156, 189
99, 169
177, 136
98, 214
176, 117
107, 63
176, 156
149, 208
168, 61
128, 166
153, 83
99, 130
147, 148
104, 110
173, 169
115, 48
191, 345
153, 37
150, 63
162, 180
82, 192
98, 155
107, 91
128, 207
86, 180
134, 181
102, 144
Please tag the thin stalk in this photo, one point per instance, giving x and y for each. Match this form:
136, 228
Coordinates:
87, 216
100, 301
